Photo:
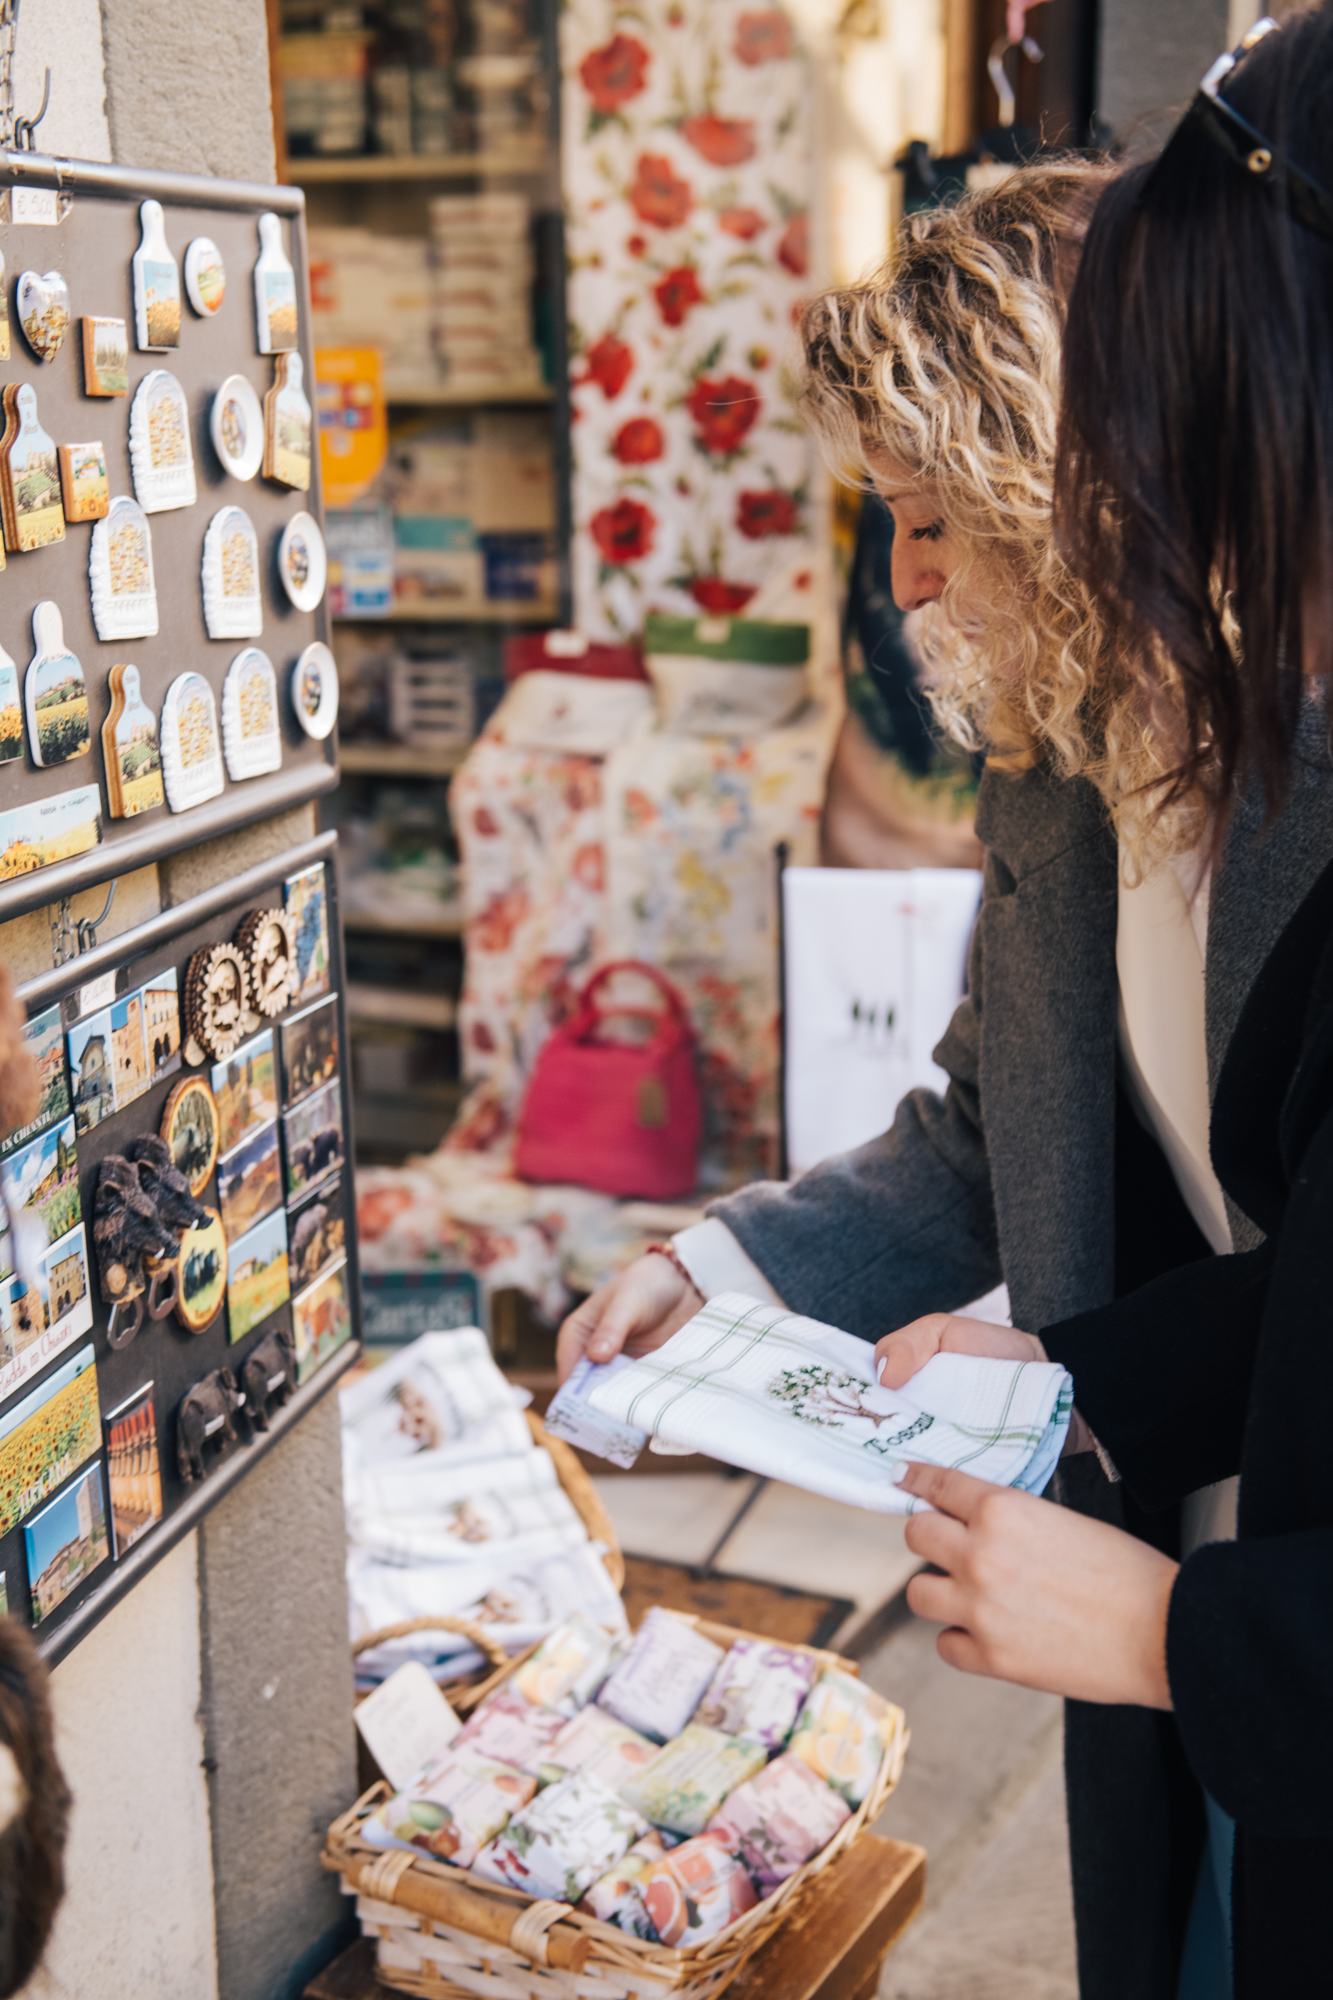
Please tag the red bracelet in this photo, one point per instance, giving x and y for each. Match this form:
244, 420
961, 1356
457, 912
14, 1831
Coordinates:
666, 1250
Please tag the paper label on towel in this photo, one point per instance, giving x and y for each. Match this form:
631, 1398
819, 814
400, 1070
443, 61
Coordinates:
34, 206
406, 1723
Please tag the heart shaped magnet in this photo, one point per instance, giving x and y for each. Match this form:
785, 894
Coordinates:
43, 305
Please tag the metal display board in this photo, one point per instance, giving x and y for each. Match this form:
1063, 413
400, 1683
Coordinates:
92, 245
163, 1352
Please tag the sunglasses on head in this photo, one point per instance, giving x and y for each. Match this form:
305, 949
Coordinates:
1245, 144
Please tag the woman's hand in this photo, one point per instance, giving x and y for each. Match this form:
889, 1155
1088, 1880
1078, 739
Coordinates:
900, 1354
636, 1312
1036, 1594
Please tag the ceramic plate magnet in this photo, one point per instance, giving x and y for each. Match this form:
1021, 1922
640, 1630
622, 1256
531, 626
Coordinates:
120, 573
275, 291
236, 425
201, 1284
130, 752
54, 693
191, 753
43, 309
190, 1128
29, 475
11, 714
233, 608
251, 737
157, 284
288, 425
217, 1002
160, 453
106, 357
83, 481
315, 690
205, 276
302, 563
4, 312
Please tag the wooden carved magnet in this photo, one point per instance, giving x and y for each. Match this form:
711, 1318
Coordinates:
217, 1003
131, 755
267, 941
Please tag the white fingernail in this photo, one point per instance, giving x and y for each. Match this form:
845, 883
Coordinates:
879, 1372
896, 1471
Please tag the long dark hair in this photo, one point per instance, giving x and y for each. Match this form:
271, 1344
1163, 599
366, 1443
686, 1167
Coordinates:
1194, 477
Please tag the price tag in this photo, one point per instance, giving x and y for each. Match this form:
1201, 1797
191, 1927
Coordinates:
34, 205
97, 993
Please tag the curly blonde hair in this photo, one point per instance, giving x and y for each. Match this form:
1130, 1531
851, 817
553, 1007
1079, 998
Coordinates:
948, 362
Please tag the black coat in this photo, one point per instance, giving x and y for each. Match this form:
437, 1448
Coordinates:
1225, 1366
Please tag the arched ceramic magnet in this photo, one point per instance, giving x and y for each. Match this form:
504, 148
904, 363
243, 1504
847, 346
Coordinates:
120, 573
251, 735
191, 752
233, 608
160, 452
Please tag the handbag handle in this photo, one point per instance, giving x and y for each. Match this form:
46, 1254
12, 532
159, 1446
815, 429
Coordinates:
589, 1014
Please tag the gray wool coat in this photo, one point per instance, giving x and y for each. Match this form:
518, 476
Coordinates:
1011, 1174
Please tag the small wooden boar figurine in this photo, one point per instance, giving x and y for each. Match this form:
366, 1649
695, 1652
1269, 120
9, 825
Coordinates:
268, 1376
205, 1417
127, 1231
165, 1185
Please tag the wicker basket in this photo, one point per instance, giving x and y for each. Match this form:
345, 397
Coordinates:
446, 1934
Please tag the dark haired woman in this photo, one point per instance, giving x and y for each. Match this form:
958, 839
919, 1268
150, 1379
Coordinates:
1195, 497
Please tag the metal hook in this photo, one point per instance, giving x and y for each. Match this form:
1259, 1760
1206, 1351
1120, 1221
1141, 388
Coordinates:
999, 76
25, 128
88, 927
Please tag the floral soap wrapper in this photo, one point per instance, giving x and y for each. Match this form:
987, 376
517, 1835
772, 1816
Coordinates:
596, 1742
568, 1667
778, 1819
513, 1730
617, 1897
696, 1891
686, 1783
656, 1687
564, 1841
458, 1803
757, 1692
843, 1732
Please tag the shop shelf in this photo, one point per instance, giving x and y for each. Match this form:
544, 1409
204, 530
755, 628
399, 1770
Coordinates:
394, 1126
483, 611
418, 166
439, 395
400, 760
445, 923
400, 1006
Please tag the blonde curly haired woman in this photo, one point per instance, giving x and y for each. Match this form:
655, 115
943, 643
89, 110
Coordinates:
1068, 1156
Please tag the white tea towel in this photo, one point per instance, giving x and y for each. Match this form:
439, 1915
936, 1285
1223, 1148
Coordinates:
795, 1400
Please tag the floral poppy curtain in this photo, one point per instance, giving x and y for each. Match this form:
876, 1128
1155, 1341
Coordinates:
688, 176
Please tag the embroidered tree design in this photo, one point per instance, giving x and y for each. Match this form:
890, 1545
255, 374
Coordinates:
822, 1395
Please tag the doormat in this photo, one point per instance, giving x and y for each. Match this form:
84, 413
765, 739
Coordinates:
796, 1617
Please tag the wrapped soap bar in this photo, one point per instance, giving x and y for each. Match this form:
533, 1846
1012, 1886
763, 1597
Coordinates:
560, 1844
570, 1415
657, 1685
568, 1667
757, 1692
511, 1730
696, 1891
686, 1783
617, 1897
456, 1804
596, 1742
843, 1731
778, 1819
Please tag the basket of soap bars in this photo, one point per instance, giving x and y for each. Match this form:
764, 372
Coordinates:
619, 1816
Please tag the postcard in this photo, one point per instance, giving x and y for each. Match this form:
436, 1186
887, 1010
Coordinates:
310, 1050
246, 1089
249, 1182
50, 829
129, 1061
161, 1024
46, 1039
42, 1180
321, 1321
258, 1281
47, 1436
317, 1233
91, 1070
313, 1138
66, 1542
305, 897
133, 1474
43, 1311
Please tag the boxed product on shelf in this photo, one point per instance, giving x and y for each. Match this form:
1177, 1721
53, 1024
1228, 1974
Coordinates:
360, 545
432, 703
483, 255
371, 289
324, 91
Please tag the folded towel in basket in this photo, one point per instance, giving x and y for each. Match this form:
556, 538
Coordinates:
795, 1400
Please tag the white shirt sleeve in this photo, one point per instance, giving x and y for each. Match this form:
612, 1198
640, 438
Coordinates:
717, 1263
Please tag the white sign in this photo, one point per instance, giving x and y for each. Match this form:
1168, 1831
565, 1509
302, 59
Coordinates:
97, 993
34, 205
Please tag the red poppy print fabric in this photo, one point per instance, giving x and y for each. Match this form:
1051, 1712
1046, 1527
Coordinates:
688, 181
